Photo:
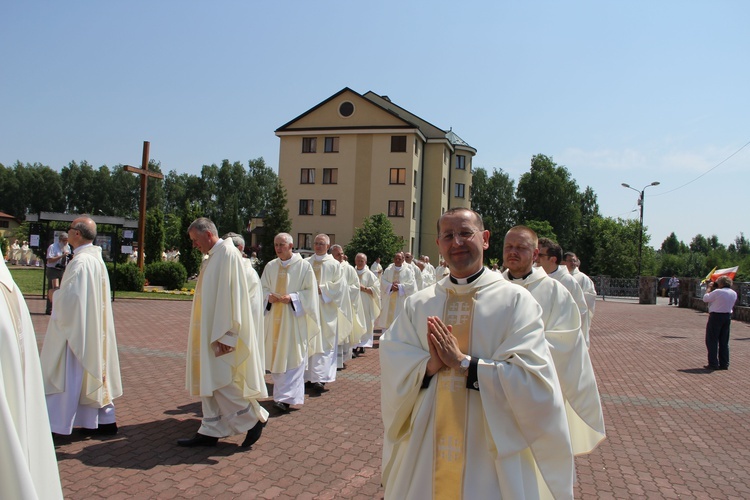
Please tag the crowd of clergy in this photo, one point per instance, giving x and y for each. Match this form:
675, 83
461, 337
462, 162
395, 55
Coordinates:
487, 384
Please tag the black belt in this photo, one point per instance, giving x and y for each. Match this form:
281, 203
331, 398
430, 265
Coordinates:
719, 313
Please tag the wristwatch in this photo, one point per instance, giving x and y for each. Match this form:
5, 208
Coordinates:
464, 366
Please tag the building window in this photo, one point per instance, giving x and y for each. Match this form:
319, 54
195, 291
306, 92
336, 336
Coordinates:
346, 109
307, 176
332, 237
398, 144
445, 155
330, 176
304, 241
332, 145
461, 162
398, 176
443, 185
414, 210
328, 207
309, 144
396, 208
416, 147
4, 223
305, 207
416, 174
460, 190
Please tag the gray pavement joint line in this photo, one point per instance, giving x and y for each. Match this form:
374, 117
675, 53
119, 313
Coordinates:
673, 403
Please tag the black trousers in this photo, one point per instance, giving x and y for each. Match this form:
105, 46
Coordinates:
717, 339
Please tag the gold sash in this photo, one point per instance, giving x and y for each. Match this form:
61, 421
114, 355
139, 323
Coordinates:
278, 309
451, 405
392, 298
317, 265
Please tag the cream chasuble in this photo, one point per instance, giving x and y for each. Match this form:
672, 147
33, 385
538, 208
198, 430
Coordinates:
392, 302
82, 322
291, 335
509, 439
569, 282
28, 466
221, 313
357, 321
562, 322
256, 307
589, 292
335, 315
370, 302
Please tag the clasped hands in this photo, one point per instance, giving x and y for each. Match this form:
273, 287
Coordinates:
443, 346
283, 299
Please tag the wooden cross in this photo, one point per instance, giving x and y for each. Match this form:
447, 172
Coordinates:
145, 174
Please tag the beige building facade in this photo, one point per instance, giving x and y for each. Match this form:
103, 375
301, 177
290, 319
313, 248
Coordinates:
355, 155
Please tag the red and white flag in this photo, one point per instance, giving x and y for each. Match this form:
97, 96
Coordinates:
730, 272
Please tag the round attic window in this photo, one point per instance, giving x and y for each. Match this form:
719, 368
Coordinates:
346, 109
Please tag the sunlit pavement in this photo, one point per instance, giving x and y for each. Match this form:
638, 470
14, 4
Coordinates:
674, 430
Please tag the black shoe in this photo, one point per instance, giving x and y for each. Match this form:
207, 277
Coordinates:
101, 430
282, 407
318, 387
355, 353
198, 440
253, 435
722, 368
709, 367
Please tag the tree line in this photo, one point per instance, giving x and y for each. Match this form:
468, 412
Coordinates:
547, 199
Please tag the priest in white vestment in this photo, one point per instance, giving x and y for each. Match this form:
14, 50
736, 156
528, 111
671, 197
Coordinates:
587, 285
562, 328
396, 284
79, 358
224, 366
14, 254
376, 268
256, 295
428, 273
292, 324
349, 338
471, 404
409, 259
441, 271
335, 313
550, 259
369, 298
28, 466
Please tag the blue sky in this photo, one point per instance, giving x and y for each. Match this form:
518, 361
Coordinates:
633, 92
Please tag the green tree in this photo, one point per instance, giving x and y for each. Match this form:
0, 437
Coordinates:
190, 257
375, 238
275, 220
700, 244
617, 252
547, 192
154, 244
493, 197
542, 228
671, 246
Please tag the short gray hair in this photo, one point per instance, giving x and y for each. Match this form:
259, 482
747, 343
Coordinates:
286, 236
238, 240
203, 225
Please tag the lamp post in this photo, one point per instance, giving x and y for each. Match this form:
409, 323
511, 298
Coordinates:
640, 202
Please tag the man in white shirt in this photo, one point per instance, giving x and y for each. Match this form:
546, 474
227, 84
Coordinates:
58, 254
720, 299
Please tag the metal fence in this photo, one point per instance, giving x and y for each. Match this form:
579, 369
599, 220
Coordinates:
626, 288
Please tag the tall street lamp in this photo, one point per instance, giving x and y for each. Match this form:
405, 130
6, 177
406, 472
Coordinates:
640, 202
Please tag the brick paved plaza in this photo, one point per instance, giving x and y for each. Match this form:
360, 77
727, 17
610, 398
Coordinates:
674, 430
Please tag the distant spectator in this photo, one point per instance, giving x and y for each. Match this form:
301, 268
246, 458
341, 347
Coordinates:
674, 290
720, 305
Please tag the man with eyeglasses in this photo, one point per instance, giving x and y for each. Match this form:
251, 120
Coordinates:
549, 259
79, 358
471, 404
562, 329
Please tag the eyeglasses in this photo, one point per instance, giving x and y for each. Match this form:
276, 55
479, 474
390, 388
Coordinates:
464, 235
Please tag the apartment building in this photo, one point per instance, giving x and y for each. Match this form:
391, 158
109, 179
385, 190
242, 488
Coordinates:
355, 155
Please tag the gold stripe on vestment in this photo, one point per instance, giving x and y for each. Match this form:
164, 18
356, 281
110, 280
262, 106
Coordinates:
278, 308
392, 300
451, 405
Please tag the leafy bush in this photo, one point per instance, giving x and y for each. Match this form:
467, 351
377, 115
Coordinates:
170, 275
128, 277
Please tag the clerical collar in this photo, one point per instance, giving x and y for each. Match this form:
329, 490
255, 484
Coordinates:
511, 277
320, 257
360, 271
286, 262
466, 281
397, 268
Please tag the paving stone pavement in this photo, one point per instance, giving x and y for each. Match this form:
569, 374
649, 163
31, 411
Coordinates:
674, 430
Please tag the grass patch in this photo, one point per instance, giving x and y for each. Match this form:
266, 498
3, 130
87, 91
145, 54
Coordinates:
30, 281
